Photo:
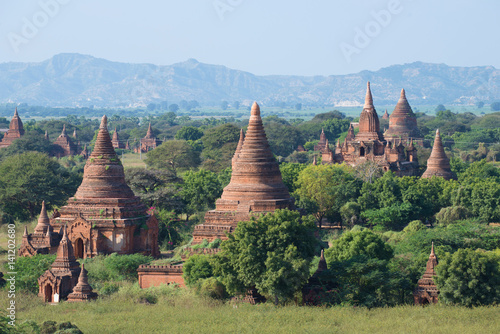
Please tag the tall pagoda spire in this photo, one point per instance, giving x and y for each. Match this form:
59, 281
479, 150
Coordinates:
149, 134
369, 125
426, 291
63, 133
16, 130
438, 163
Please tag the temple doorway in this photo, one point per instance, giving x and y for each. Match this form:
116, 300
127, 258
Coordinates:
79, 248
47, 292
361, 151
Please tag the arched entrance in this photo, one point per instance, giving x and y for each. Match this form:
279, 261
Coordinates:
79, 248
47, 293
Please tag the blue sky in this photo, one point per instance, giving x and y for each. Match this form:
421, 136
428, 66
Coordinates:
315, 37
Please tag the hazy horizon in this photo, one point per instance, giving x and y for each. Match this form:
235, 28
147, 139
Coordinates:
279, 38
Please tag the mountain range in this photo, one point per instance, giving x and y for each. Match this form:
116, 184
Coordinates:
72, 80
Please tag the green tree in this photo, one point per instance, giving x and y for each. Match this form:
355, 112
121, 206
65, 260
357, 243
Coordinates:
468, 278
272, 253
218, 136
155, 188
189, 133
195, 268
173, 155
290, 173
322, 190
28, 179
31, 141
200, 190
356, 243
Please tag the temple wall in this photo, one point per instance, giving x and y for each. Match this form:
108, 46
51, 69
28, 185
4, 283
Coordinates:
156, 275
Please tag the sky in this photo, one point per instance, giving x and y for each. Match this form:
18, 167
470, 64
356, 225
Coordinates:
292, 37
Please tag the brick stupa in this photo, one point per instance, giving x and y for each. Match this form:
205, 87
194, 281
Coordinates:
256, 185
426, 291
82, 291
116, 140
105, 216
438, 163
403, 122
15, 131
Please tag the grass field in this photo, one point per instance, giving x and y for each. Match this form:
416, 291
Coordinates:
184, 313
131, 160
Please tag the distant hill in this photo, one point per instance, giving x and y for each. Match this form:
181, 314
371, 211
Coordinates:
81, 80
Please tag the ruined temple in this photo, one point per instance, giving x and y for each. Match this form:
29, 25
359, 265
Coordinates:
64, 146
385, 115
323, 142
105, 216
149, 142
256, 185
370, 145
403, 122
62, 276
426, 291
43, 240
316, 290
15, 131
115, 140
438, 163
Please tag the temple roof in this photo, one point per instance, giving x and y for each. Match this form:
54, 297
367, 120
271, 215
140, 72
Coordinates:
16, 124
115, 135
386, 115
438, 163
149, 134
256, 174
65, 256
239, 146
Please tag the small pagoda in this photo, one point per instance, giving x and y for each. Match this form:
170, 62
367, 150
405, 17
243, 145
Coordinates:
438, 163
58, 282
116, 140
149, 142
64, 146
256, 186
15, 131
426, 291
105, 216
43, 240
82, 291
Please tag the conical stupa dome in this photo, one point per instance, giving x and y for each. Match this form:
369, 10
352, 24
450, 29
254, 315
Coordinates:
256, 174
438, 163
403, 122
103, 176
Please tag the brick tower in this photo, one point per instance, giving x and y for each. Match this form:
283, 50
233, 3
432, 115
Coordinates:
438, 163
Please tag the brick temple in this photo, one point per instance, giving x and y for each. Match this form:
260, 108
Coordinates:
426, 291
438, 163
370, 145
15, 131
116, 140
64, 146
256, 186
148, 143
65, 279
104, 216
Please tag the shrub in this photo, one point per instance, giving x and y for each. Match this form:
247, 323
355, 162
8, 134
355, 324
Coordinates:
195, 268
215, 243
451, 214
115, 267
29, 269
203, 244
212, 287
